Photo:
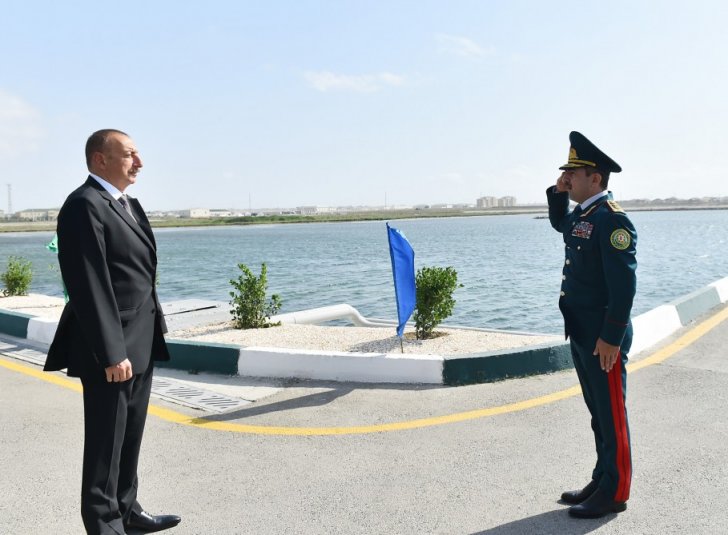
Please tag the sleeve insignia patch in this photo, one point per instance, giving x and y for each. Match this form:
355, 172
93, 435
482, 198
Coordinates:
620, 239
614, 207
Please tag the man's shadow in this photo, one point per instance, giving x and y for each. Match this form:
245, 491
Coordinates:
317, 399
556, 522
311, 400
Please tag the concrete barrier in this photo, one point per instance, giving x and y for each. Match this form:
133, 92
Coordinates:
653, 326
340, 366
696, 303
14, 323
201, 357
721, 286
498, 365
649, 329
42, 329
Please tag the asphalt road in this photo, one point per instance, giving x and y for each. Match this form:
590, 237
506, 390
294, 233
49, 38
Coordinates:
489, 458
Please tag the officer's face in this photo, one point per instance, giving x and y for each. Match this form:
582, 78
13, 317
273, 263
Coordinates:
579, 185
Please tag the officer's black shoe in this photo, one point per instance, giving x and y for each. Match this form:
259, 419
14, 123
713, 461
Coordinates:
573, 497
150, 523
596, 506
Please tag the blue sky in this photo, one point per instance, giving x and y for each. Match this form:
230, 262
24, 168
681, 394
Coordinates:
346, 103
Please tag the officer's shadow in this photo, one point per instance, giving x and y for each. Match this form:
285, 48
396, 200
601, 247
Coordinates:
556, 522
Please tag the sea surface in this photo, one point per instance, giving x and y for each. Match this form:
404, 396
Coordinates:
510, 266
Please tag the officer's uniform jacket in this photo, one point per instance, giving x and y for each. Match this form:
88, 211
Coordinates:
599, 268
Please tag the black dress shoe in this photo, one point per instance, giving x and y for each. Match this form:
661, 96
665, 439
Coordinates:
149, 523
574, 497
596, 506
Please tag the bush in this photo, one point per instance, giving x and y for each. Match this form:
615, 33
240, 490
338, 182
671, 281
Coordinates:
250, 309
435, 303
18, 276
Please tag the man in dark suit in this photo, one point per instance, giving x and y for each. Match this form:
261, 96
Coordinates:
597, 289
110, 331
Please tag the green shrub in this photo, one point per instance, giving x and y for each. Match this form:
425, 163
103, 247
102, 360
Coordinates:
18, 276
435, 303
250, 309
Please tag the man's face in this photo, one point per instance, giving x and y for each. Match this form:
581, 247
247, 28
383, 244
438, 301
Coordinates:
119, 162
581, 186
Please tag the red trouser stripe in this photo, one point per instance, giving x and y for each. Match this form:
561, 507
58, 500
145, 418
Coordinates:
619, 417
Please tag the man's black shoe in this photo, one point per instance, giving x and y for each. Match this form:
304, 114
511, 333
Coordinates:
596, 506
149, 523
573, 497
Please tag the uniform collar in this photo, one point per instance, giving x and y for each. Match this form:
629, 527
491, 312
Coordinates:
591, 200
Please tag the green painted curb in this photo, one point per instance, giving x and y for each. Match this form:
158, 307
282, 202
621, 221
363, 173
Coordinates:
496, 366
201, 357
14, 323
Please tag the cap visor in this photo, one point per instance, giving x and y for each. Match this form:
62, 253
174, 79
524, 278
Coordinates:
572, 166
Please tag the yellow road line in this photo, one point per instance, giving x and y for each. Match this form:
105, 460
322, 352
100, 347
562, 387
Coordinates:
39, 374
659, 356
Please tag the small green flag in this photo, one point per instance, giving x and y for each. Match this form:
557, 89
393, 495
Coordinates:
53, 245
53, 248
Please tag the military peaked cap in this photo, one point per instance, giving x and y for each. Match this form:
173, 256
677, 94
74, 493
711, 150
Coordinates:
584, 153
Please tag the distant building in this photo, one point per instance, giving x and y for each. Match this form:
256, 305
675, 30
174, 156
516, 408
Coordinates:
507, 201
220, 213
486, 202
35, 214
307, 210
195, 213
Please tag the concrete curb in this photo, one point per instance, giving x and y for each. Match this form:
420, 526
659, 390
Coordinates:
201, 357
649, 329
340, 366
497, 365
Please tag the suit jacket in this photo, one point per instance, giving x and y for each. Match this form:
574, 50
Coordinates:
109, 265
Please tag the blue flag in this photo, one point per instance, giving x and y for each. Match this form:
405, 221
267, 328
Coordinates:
403, 270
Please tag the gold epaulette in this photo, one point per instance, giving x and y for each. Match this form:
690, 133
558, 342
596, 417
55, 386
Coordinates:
614, 207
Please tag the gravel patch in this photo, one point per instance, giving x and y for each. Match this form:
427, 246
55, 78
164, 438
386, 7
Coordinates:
361, 339
34, 304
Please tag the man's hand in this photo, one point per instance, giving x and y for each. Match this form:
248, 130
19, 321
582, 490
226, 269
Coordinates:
562, 184
118, 373
607, 354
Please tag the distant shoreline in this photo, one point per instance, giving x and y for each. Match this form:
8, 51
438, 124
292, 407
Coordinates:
374, 215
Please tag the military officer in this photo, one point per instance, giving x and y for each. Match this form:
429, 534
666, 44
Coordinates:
597, 288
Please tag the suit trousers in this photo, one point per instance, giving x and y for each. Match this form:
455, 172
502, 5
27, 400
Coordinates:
114, 418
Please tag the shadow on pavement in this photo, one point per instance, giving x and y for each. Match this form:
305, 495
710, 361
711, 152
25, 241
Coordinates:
557, 522
312, 400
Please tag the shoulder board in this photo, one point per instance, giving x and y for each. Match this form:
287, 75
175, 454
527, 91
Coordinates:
614, 207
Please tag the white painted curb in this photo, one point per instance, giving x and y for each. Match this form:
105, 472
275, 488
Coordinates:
340, 366
653, 326
41, 329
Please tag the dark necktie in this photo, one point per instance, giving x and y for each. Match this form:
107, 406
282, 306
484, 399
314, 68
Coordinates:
125, 203
577, 211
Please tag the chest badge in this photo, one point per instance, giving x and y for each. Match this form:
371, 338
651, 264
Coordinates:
583, 229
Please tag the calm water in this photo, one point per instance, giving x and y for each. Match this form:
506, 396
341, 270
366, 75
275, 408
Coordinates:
510, 265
